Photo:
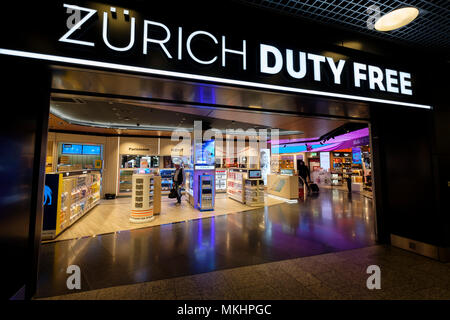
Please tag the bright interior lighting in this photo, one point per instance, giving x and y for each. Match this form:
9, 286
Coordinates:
396, 19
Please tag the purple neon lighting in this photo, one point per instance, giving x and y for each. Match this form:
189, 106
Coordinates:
343, 141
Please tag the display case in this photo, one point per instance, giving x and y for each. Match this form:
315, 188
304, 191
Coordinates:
142, 198
221, 180
342, 162
166, 179
126, 176
68, 196
336, 178
189, 181
206, 193
254, 192
235, 184
125, 180
246, 186
367, 169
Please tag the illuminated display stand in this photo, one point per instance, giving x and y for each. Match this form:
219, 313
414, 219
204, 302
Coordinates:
145, 197
200, 187
206, 192
68, 197
200, 182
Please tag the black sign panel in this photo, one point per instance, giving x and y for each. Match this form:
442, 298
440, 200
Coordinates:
50, 201
220, 45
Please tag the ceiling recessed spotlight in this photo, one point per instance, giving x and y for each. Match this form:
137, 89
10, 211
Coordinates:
396, 19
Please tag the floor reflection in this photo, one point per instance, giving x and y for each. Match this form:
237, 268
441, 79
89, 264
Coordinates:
332, 221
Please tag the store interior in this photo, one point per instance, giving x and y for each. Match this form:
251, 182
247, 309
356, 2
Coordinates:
110, 164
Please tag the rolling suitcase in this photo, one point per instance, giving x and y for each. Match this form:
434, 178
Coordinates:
314, 188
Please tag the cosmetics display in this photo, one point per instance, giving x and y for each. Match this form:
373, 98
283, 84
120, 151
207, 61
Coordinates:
221, 180
67, 197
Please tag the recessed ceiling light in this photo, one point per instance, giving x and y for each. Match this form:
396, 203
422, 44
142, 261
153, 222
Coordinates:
396, 19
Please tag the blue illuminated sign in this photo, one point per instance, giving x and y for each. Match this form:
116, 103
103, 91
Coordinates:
71, 149
91, 150
356, 155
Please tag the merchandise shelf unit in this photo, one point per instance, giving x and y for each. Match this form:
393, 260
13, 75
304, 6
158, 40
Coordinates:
221, 180
126, 176
244, 187
167, 180
254, 192
68, 197
235, 184
206, 193
142, 198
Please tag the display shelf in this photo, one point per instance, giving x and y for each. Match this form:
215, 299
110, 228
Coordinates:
167, 179
235, 182
243, 189
69, 197
125, 178
254, 192
336, 178
142, 202
221, 180
206, 192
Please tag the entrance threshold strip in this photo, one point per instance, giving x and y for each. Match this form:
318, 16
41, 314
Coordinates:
115, 66
282, 199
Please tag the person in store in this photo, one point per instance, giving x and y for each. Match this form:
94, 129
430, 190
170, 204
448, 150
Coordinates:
178, 181
303, 173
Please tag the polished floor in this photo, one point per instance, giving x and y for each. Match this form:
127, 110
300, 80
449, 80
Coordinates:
113, 215
338, 276
331, 222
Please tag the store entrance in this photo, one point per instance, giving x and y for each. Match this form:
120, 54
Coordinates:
98, 147
112, 164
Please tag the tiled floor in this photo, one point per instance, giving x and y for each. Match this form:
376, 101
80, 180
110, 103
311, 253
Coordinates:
340, 275
330, 222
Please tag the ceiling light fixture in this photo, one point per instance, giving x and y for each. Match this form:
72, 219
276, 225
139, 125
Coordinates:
396, 19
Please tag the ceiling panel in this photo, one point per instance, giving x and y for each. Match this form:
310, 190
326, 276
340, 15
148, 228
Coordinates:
87, 114
430, 29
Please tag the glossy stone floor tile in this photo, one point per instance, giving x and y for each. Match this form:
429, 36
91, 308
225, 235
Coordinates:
331, 222
287, 280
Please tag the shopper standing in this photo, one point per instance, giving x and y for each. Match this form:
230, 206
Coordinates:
303, 172
178, 181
